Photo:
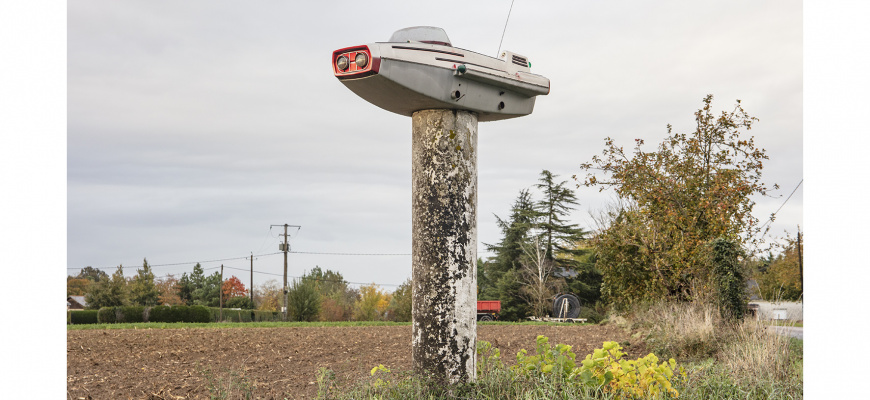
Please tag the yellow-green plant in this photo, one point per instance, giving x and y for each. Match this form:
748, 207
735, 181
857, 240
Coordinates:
548, 360
490, 357
604, 369
384, 370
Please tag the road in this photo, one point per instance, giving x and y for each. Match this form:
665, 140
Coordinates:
793, 331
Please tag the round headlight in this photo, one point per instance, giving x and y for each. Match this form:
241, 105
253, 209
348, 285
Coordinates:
361, 60
342, 63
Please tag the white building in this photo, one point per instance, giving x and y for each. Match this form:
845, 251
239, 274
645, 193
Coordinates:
782, 310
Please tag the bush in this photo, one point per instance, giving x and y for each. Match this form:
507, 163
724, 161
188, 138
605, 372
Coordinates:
230, 315
242, 302
106, 315
303, 300
592, 316
83, 317
641, 378
730, 282
214, 314
179, 314
198, 314
238, 315
159, 314
130, 314
266, 316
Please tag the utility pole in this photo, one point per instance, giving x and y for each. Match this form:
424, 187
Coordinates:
285, 247
252, 278
800, 260
221, 294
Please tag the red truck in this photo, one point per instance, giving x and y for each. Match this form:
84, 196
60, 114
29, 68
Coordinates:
487, 310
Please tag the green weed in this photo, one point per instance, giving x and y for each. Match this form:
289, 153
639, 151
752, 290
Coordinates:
228, 384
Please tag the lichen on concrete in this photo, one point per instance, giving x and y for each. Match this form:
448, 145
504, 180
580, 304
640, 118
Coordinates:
444, 187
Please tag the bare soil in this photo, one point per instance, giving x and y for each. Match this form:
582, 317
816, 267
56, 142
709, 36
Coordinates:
279, 362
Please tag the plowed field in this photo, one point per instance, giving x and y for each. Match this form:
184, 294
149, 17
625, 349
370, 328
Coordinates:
279, 362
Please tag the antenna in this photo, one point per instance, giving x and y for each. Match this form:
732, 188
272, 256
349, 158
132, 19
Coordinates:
505, 29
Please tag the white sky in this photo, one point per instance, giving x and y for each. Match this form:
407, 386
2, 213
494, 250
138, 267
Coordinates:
194, 126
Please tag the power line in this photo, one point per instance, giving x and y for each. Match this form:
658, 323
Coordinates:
351, 254
780, 207
263, 255
316, 279
188, 262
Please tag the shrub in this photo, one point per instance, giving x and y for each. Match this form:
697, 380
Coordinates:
230, 315
266, 316
728, 277
159, 314
592, 316
179, 314
303, 300
83, 317
131, 314
198, 314
239, 315
242, 302
214, 314
106, 315
604, 368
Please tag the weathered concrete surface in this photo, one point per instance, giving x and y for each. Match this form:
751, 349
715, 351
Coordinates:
444, 249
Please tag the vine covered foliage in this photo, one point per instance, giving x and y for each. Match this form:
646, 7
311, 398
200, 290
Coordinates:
672, 202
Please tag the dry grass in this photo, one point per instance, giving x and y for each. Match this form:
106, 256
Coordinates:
749, 352
680, 330
757, 353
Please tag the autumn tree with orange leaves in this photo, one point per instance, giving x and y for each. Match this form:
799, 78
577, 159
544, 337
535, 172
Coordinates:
168, 288
233, 287
692, 189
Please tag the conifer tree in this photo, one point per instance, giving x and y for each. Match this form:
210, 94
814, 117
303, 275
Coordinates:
143, 290
109, 292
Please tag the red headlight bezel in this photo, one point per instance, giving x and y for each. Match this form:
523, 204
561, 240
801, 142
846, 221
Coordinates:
353, 71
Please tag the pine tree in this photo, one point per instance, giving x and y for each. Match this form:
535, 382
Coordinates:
143, 291
303, 300
559, 237
562, 240
501, 271
109, 292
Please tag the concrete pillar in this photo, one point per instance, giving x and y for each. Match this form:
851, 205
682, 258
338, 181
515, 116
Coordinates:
444, 248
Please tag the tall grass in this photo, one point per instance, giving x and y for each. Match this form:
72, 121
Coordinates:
746, 359
722, 360
686, 331
228, 384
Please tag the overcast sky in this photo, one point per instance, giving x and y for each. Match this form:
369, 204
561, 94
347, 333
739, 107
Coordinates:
194, 126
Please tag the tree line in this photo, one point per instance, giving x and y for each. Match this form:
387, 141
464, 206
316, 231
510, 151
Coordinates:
680, 228
319, 295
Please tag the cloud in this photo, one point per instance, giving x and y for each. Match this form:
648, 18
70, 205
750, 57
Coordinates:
194, 126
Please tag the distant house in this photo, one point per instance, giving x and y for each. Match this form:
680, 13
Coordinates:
780, 310
763, 310
76, 303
